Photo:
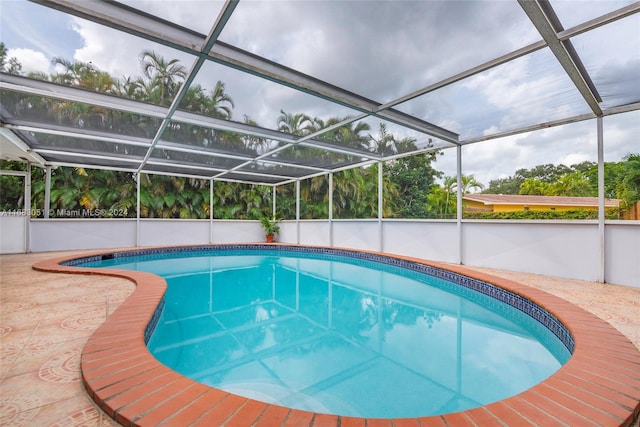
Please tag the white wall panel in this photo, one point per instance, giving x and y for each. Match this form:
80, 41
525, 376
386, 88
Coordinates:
622, 249
564, 249
435, 241
237, 231
315, 233
70, 234
12, 234
162, 232
356, 234
288, 232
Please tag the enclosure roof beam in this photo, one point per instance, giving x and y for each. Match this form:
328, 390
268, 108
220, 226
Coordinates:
48, 89
43, 88
67, 93
548, 25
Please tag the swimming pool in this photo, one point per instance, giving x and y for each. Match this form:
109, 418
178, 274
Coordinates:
394, 338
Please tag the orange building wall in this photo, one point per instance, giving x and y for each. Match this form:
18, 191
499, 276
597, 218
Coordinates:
471, 205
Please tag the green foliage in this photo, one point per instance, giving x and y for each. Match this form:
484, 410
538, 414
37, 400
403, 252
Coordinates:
270, 226
629, 188
286, 201
545, 214
8, 65
574, 184
413, 176
11, 187
547, 173
442, 201
621, 180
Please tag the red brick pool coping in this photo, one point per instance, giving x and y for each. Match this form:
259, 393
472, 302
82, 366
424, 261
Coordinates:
599, 385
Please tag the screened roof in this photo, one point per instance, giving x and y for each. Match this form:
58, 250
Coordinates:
307, 83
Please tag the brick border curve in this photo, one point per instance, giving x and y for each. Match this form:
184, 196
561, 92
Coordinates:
599, 385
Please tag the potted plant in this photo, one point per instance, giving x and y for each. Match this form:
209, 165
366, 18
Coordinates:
271, 227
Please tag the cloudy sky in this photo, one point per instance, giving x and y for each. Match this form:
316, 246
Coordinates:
384, 50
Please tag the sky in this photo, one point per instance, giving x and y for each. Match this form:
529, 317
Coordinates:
382, 51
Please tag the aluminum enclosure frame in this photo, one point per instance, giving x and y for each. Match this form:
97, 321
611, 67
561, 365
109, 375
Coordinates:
210, 48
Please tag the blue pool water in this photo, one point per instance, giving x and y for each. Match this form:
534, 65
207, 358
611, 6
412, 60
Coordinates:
341, 335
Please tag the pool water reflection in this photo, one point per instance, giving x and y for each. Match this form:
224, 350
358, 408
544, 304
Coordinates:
334, 335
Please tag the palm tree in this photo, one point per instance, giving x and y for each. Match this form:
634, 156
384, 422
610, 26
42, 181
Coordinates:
348, 193
450, 185
446, 199
215, 104
220, 103
128, 87
166, 74
384, 144
470, 182
296, 124
254, 143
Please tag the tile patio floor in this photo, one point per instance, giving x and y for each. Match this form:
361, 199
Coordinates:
45, 319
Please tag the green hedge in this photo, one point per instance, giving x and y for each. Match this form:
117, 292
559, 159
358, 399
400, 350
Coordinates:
546, 214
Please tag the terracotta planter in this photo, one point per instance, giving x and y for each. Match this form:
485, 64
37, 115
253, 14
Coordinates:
270, 238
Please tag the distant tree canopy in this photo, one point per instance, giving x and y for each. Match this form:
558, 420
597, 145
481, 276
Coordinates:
621, 180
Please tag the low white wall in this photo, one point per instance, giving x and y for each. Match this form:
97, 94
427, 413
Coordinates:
164, 232
556, 248
622, 253
357, 234
288, 232
237, 231
69, 234
564, 249
12, 234
437, 241
313, 232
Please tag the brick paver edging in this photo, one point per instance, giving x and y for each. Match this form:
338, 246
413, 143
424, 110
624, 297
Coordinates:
599, 385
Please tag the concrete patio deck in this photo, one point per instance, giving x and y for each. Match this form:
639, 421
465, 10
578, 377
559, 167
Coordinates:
46, 318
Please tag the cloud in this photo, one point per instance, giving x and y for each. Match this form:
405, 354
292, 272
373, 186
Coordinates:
381, 50
197, 15
569, 144
31, 60
116, 52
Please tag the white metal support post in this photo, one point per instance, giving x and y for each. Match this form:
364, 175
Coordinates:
380, 205
27, 209
47, 191
211, 211
137, 175
331, 209
273, 204
459, 200
601, 212
298, 212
